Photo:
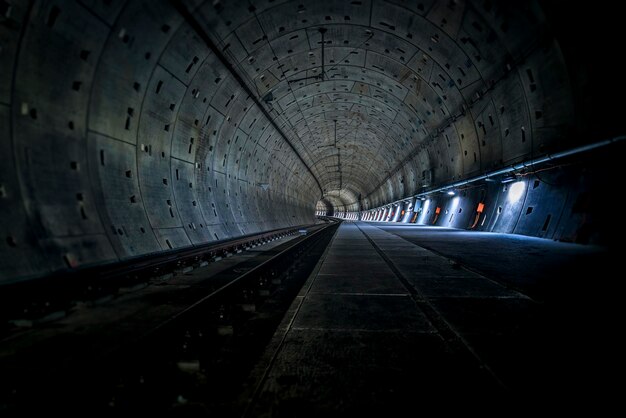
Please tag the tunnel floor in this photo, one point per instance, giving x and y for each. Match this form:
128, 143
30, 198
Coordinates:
541, 268
392, 318
387, 325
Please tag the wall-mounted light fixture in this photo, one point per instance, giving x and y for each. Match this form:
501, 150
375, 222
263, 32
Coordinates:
508, 179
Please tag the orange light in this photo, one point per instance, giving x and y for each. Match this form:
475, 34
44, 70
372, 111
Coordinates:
480, 208
402, 213
437, 211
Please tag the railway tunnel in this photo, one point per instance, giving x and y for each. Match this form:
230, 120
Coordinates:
427, 189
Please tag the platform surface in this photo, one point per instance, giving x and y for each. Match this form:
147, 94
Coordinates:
385, 325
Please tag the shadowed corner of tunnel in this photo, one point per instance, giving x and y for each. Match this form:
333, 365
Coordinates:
487, 132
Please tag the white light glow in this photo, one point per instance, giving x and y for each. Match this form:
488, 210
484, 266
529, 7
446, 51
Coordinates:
516, 190
450, 193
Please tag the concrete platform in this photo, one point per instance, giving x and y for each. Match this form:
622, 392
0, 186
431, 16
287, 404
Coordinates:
385, 326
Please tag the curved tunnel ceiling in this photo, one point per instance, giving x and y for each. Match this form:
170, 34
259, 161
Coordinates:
410, 94
132, 129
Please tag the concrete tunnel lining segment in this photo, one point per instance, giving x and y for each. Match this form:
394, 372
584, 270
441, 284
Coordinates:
128, 135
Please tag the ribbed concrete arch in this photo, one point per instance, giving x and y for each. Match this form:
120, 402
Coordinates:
127, 134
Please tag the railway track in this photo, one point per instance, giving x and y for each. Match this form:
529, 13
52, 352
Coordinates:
170, 338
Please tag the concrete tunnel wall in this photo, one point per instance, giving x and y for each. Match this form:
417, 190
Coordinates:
122, 134
129, 138
562, 204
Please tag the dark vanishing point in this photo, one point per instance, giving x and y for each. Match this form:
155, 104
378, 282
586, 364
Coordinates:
294, 208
